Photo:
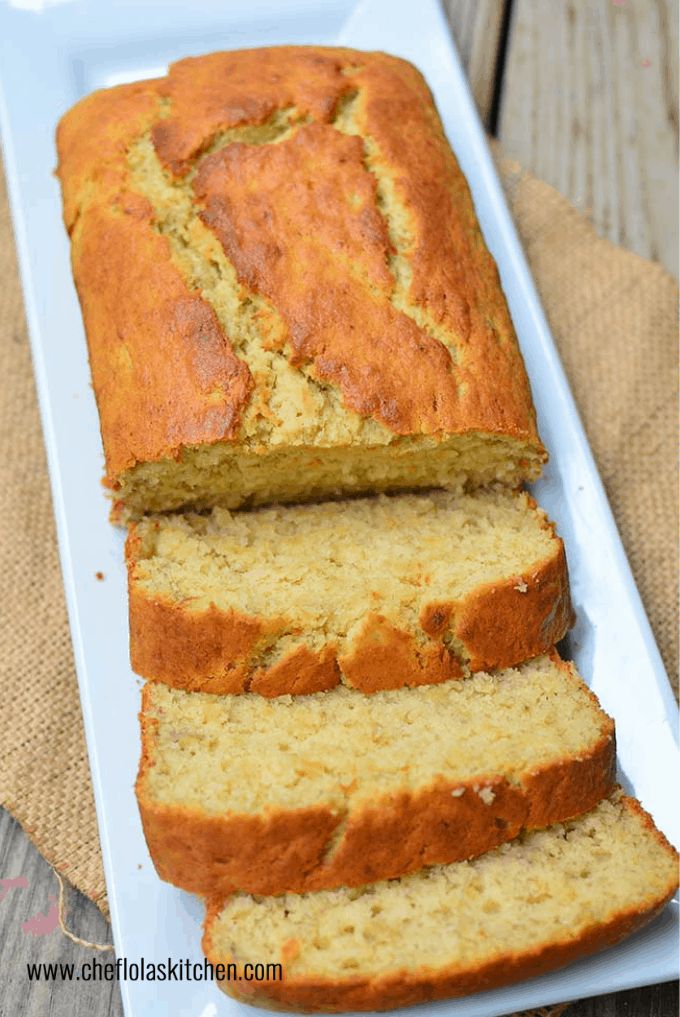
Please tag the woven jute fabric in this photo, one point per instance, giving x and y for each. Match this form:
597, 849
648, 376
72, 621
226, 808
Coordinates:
614, 318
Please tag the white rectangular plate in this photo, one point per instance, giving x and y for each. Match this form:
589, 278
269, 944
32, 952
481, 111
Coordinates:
51, 53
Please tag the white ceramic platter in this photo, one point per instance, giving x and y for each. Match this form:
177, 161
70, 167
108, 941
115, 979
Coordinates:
51, 53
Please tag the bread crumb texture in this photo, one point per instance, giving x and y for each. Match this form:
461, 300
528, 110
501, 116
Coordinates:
268, 272
337, 788
227, 754
544, 899
376, 593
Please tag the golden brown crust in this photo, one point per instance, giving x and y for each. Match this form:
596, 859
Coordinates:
507, 621
383, 656
212, 650
259, 204
409, 988
163, 371
341, 317
202, 651
308, 849
299, 672
405, 988
452, 273
309, 200
213, 93
93, 138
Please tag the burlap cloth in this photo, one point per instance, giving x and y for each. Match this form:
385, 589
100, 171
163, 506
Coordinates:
613, 316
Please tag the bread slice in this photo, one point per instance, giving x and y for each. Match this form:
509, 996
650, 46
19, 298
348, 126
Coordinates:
339, 788
282, 300
375, 593
538, 903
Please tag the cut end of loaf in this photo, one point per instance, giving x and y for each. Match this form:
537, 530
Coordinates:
233, 475
548, 898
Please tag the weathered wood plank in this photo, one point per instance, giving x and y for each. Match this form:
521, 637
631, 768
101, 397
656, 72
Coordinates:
650, 1001
18, 996
589, 103
476, 26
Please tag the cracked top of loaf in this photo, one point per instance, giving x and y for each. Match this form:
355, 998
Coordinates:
284, 286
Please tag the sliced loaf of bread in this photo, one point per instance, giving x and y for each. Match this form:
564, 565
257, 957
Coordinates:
282, 300
337, 788
374, 593
532, 905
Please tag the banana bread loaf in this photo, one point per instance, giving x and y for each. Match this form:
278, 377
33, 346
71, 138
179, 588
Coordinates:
376, 593
535, 904
284, 286
339, 788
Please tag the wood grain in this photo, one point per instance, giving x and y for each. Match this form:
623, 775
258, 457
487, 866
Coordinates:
476, 26
59, 998
650, 1001
589, 104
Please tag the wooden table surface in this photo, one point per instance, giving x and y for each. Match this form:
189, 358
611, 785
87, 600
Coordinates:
584, 94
